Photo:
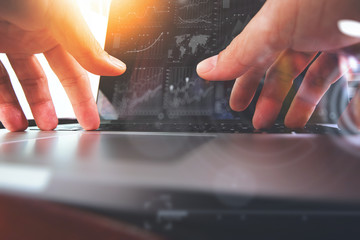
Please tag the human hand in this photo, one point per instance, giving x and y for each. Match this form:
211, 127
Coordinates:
56, 29
281, 41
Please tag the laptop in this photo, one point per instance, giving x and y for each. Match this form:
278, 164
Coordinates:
173, 159
162, 42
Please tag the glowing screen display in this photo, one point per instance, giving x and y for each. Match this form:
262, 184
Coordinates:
162, 41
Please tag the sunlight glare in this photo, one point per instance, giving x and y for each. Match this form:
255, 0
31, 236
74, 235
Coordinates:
350, 28
96, 14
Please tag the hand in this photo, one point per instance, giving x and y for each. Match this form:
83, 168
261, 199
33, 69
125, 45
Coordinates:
281, 41
56, 29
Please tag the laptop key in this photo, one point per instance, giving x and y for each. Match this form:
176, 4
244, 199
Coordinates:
235, 128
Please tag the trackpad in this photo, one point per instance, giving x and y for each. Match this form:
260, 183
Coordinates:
156, 147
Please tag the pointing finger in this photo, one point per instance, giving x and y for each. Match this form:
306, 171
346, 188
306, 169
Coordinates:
76, 84
278, 82
257, 46
34, 83
11, 114
245, 88
322, 73
71, 31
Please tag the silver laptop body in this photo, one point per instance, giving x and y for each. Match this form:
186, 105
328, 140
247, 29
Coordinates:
166, 176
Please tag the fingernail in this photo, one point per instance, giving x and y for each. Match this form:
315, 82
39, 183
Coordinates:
207, 65
117, 63
263, 120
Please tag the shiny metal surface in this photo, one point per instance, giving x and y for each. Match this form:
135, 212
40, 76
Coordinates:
91, 167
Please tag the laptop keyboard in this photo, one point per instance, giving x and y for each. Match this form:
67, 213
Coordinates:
240, 128
235, 128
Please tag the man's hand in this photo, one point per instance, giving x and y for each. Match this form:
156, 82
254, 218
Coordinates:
281, 41
56, 29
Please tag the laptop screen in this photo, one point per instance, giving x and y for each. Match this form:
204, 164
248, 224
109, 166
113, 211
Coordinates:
162, 41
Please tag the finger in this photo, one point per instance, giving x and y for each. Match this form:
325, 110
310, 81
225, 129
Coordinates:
320, 76
350, 119
35, 85
257, 46
245, 88
11, 114
278, 82
71, 31
76, 84
349, 64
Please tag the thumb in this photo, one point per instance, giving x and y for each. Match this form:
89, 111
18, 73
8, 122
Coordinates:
71, 31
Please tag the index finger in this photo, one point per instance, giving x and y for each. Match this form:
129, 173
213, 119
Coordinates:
257, 46
71, 31
76, 84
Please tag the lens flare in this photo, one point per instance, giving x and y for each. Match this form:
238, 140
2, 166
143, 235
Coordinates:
95, 13
349, 27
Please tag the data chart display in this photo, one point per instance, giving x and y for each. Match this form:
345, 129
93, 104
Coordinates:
162, 41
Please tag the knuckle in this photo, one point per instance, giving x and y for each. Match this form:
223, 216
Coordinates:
308, 100
315, 80
93, 52
40, 102
73, 81
86, 54
5, 106
274, 97
4, 80
83, 101
279, 76
33, 83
